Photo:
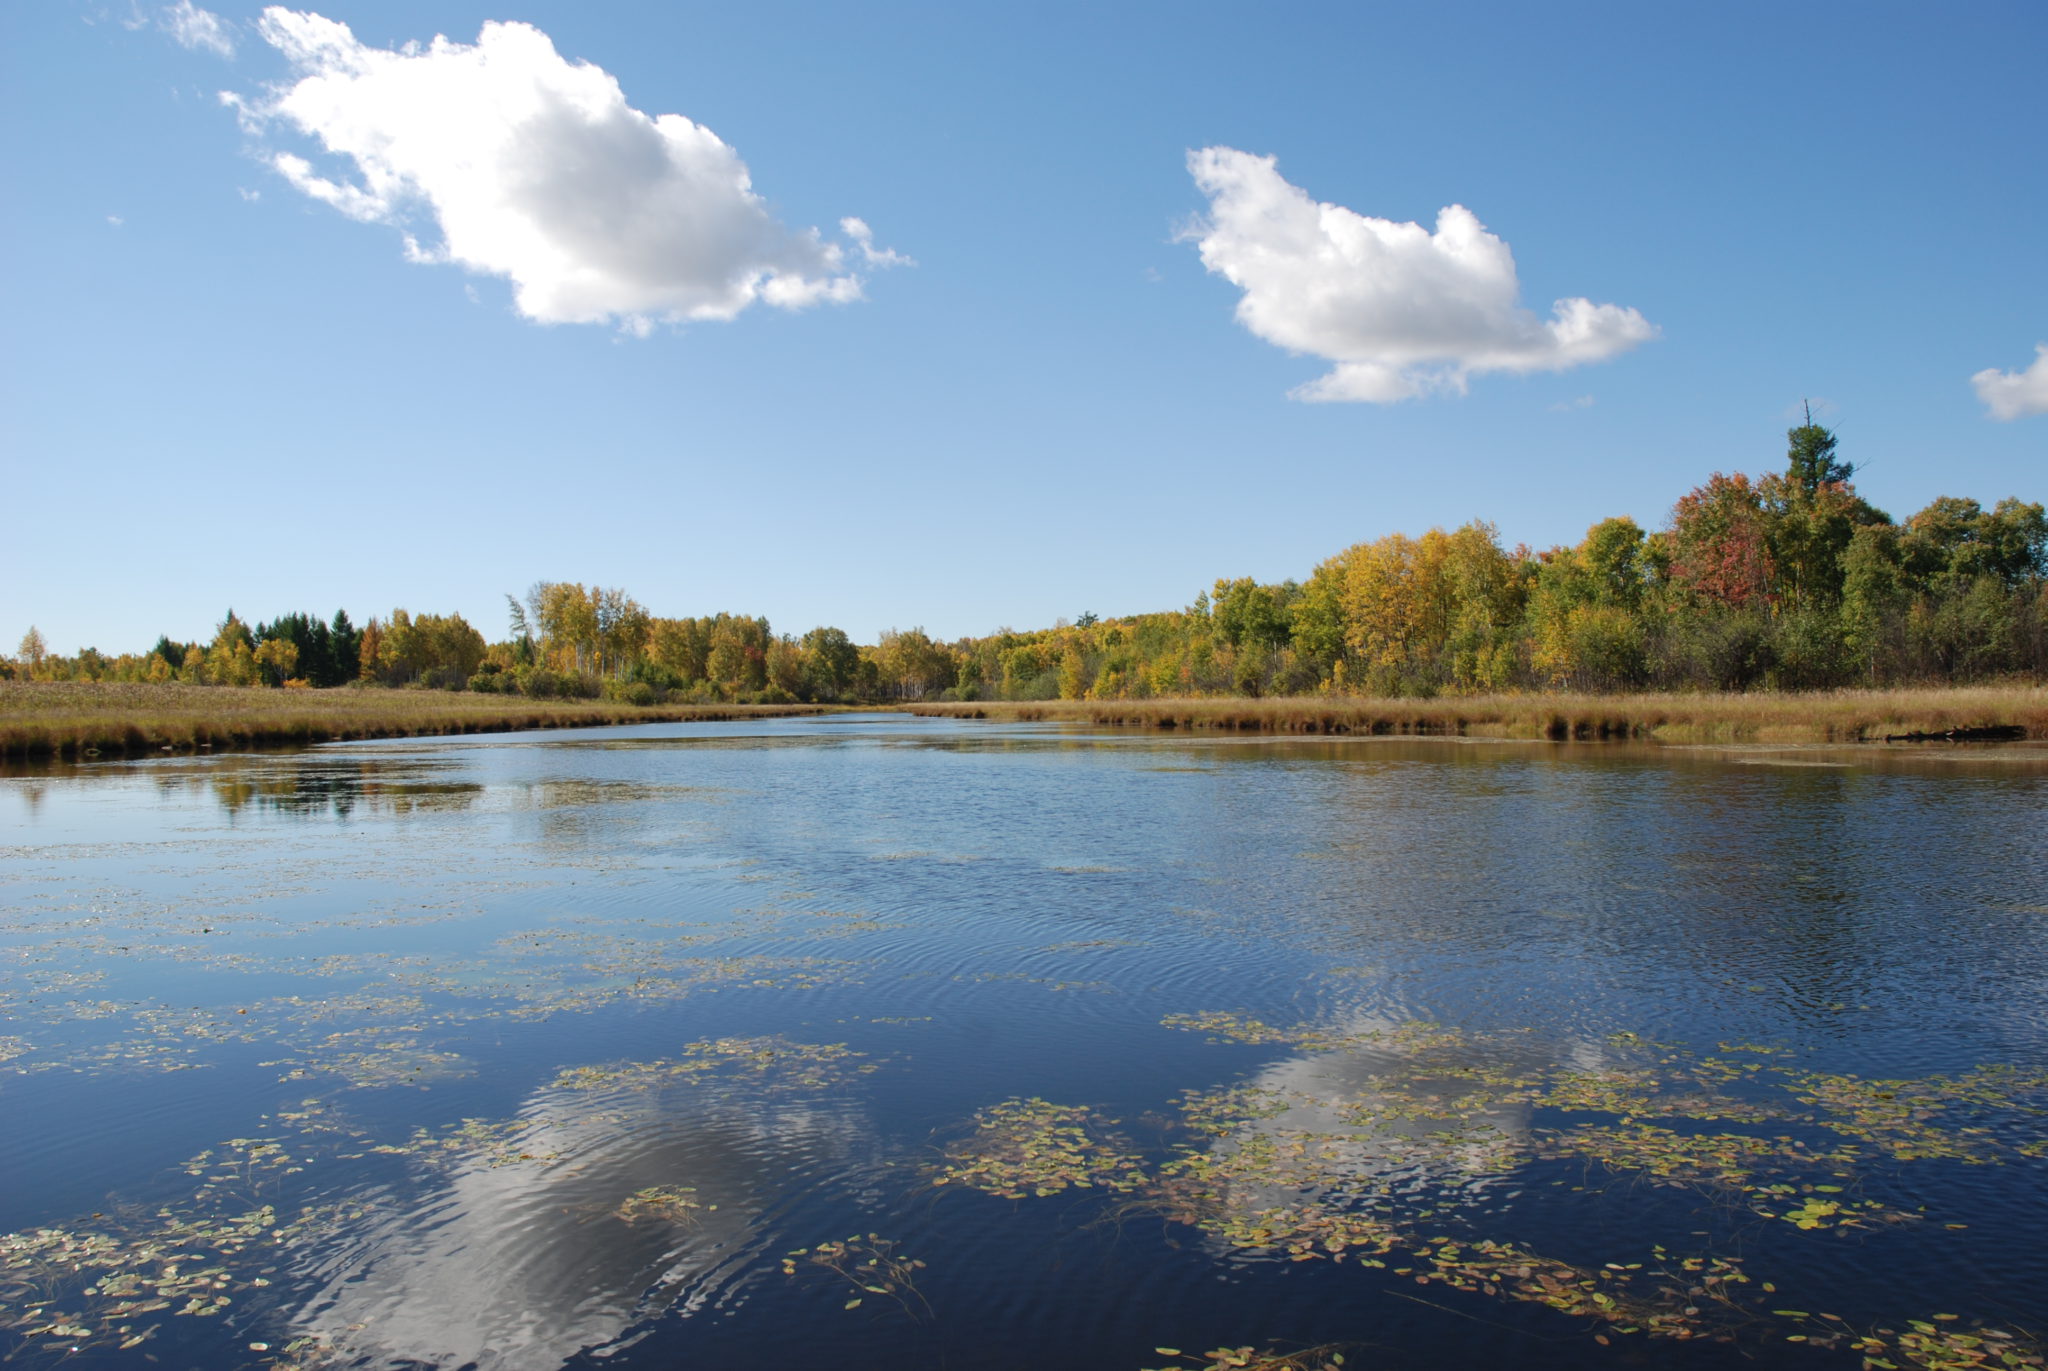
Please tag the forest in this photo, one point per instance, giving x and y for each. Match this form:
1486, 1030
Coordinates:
1788, 581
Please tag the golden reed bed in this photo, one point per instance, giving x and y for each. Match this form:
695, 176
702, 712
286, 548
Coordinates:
1820, 716
83, 718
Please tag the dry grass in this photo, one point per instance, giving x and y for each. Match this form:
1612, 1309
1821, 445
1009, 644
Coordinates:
1821, 716
75, 719
81, 718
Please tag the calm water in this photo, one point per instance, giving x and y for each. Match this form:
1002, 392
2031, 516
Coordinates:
552, 1049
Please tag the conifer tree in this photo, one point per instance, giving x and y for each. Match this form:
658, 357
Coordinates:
1811, 457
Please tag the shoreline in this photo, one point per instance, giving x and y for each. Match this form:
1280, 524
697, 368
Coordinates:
71, 721
67, 721
1840, 716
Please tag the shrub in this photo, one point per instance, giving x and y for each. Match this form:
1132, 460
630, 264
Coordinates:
1809, 650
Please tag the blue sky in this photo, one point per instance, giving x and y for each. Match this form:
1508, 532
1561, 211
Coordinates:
220, 389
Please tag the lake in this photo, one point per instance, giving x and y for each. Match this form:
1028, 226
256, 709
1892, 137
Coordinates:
876, 1042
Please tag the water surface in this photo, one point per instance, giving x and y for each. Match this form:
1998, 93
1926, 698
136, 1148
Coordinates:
885, 1042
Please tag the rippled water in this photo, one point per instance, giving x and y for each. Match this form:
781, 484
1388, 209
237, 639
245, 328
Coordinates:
543, 1050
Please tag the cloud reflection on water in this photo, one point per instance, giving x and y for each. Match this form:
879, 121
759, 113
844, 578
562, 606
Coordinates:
512, 1265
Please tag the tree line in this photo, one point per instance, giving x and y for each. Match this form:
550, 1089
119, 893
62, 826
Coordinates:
1791, 580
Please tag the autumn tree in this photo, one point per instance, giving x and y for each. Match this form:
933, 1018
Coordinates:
370, 651
1953, 541
1380, 625
32, 650
1477, 593
620, 625
1246, 612
1874, 592
1587, 631
278, 658
786, 668
681, 647
231, 658
566, 618
830, 661
1720, 547
910, 666
441, 650
737, 662
1317, 628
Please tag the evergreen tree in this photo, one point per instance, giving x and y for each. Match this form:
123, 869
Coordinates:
344, 648
1811, 457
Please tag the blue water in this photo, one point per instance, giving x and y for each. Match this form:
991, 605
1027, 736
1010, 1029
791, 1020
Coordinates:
801, 958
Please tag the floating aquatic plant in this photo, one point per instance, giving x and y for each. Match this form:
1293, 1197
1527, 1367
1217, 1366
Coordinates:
1248, 1358
488, 1142
1034, 1147
773, 1063
676, 1204
871, 1265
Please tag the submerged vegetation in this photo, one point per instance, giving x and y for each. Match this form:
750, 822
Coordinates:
1791, 582
868, 1265
1251, 1359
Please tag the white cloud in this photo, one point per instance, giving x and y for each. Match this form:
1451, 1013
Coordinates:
864, 238
536, 169
197, 29
2015, 394
1400, 310
116, 220
1578, 402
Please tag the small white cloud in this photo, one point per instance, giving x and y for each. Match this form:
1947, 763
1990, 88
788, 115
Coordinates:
2015, 394
864, 238
116, 220
1579, 402
1400, 310
197, 29
535, 168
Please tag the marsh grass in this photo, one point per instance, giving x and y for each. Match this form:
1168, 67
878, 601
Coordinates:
43, 719
74, 719
1768, 717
